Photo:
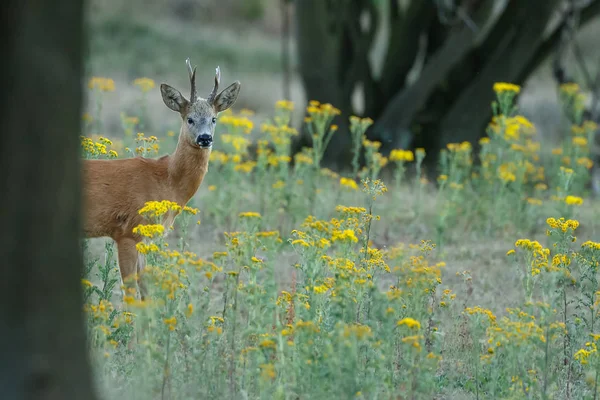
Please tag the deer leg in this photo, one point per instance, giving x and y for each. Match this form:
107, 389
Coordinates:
128, 260
141, 264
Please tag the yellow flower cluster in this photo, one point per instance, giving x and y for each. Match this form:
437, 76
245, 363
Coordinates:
146, 84
513, 130
374, 188
580, 141
569, 88
348, 183
538, 253
171, 323
149, 231
562, 225
344, 235
243, 124
316, 109
418, 276
146, 145
500, 87
369, 144
102, 84
284, 105
350, 210
481, 311
101, 311
573, 200
399, 155
144, 248
279, 134
303, 158
239, 143
410, 323
95, 149
591, 245
92, 148
459, 147
413, 341
515, 333
249, 214
190, 210
159, 208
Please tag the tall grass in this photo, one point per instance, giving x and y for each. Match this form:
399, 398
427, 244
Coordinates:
317, 285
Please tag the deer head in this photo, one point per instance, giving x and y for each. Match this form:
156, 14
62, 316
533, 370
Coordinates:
199, 116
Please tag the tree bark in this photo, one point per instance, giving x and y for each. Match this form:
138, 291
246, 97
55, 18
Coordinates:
319, 47
41, 319
403, 46
319, 44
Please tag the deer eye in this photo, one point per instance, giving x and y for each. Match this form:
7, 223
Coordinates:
190, 121
214, 120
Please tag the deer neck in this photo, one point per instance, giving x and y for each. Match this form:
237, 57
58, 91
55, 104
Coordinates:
187, 167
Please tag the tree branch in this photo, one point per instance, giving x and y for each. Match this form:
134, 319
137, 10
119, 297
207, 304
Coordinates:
506, 63
403, 46
393, 123
359, 68
588, 13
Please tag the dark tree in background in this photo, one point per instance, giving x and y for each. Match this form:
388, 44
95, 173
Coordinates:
42, 337
442, 58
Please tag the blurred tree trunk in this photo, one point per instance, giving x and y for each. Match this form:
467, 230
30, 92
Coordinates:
468, 48
322, 46
41, 319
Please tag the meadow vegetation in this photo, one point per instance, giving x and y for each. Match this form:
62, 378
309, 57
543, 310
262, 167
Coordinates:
282, 279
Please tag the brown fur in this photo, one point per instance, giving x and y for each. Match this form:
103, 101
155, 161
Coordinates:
115, 190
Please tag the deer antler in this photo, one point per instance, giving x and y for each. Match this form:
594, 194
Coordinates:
192, 73
213, 94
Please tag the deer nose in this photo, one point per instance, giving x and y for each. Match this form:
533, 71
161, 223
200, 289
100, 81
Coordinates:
204, 140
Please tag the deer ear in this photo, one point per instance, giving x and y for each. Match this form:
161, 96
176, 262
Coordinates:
227, 97
172, 98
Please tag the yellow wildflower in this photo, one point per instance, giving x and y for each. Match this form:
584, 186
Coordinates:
346, 234
573, 200
149, 231
284, 105
171, 322
580, 141
410, 323
400, 155
500, 87
102, 84
349, 183
146, 84
249, 214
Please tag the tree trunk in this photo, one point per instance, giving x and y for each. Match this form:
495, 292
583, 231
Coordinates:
332, 59
41, 319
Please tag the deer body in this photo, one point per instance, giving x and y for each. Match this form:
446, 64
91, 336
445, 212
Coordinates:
115, 190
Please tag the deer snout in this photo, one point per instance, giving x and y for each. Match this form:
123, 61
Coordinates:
204, 140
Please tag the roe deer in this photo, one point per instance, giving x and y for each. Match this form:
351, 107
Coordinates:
114, 190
